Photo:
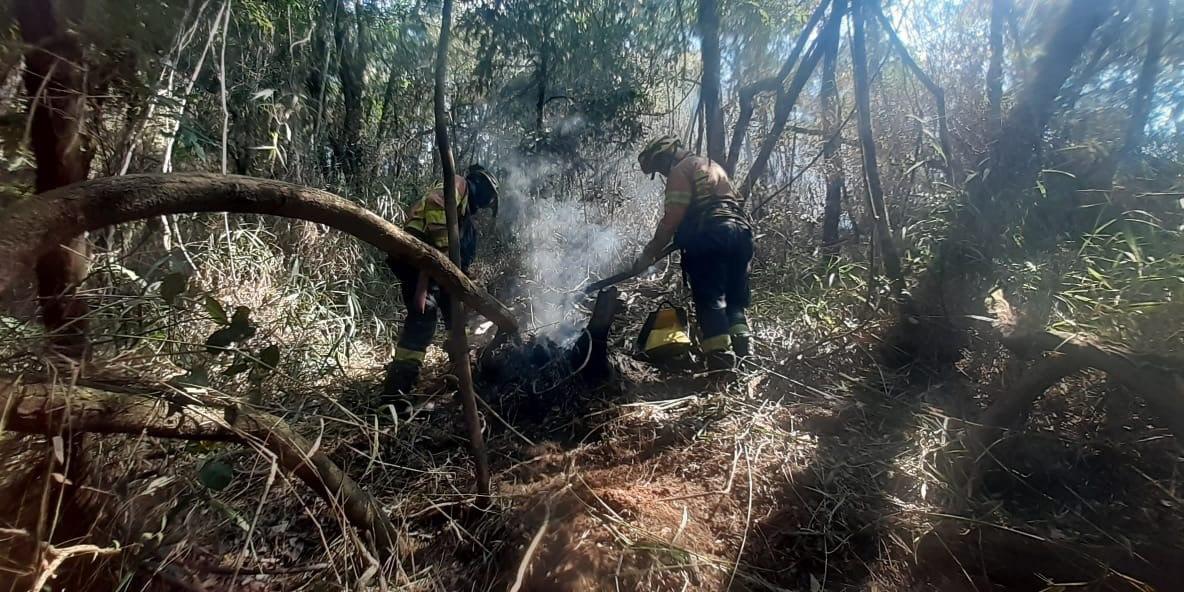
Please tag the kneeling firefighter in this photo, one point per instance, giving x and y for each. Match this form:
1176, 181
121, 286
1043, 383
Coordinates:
424, 299
706, 221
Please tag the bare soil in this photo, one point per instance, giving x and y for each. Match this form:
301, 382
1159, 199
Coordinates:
789, 477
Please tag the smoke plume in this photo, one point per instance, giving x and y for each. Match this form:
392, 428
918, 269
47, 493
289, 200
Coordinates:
571, 230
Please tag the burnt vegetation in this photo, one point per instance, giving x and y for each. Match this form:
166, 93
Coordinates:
968, 362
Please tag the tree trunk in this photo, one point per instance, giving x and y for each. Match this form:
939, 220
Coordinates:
713, 114
386, 116
830, 150
747, 101
351, 63
1102, 175
540, 81
1107, 36
33, 227
1145, 87
995, 67
749, 93
934, 331
867, 142
54, 82
787, 98
317, 82
458, 346
1014, 161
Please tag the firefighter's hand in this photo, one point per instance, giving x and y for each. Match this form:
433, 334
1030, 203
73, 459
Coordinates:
640, 266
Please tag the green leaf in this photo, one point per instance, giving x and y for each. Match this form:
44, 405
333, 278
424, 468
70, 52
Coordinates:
1136, 253
219, 340
215, 474
241, 318
270, 356
173, 285
215, 310
238, 367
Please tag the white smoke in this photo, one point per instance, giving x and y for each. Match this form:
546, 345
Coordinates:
571, 232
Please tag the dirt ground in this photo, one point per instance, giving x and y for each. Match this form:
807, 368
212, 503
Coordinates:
829, 482
784, 477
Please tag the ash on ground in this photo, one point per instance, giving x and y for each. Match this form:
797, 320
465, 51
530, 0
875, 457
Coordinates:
532, 380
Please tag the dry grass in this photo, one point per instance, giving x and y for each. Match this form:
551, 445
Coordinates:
810, 469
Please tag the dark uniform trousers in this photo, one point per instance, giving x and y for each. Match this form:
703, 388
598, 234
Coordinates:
717, 263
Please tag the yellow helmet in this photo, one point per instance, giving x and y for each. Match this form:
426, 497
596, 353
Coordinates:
655, 148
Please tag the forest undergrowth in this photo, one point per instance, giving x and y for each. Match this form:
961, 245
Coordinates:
967, 291
814, 467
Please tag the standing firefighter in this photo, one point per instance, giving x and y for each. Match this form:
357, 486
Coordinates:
705, 220
422, 296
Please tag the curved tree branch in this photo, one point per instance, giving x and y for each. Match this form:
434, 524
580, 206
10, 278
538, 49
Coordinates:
1158, 379
47, 409
786, 98
749, 93
949, 163
36, 226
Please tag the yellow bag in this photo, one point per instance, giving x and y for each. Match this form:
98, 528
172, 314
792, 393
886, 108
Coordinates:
664, 334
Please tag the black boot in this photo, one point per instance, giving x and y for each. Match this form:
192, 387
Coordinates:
741, 345
720, 360
401, 377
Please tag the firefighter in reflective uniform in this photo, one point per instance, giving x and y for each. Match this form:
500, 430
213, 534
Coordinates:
424, 299
707, 223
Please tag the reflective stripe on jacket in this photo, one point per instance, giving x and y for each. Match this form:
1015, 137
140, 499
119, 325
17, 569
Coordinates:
703, 187
429, 219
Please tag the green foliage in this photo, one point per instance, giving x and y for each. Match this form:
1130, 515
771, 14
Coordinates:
759, 34
216, 473
172, 286
239, 328
809, 297
232, 336
529, 53
257, 15
1127, 283
215, 310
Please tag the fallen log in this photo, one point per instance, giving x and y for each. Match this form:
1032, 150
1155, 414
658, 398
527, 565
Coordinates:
1158, 379
49, 410
34, 227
